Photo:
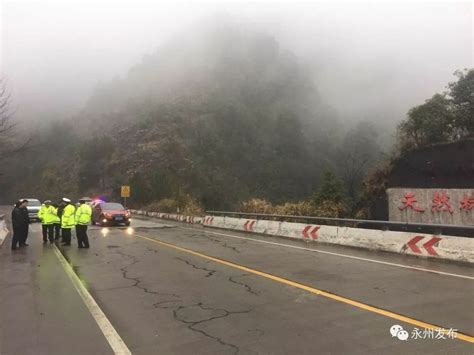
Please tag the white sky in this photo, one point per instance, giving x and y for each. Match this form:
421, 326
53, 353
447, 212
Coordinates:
368, 57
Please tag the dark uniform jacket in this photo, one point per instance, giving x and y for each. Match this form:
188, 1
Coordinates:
61, 210
20, 218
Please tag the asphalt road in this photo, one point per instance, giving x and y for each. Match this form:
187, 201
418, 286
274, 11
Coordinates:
170, 288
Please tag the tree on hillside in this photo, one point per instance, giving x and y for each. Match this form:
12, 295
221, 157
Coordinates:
94, 159
359, 151
328, 200
429, 123
462, 99
442, 118
8, 146
330, 189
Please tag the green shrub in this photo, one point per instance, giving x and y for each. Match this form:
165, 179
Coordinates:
256, 205
167, 205
302, 208
186, 206
190, 206
332, 209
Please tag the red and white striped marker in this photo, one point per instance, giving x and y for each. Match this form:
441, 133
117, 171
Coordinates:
311, 231
248, 226
428, 246
208, 220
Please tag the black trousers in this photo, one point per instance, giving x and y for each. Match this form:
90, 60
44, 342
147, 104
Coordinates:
66, 233
23, 235
17, 237
57, 231
48, 232
82, 238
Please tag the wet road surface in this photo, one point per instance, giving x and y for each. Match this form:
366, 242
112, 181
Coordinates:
170, 288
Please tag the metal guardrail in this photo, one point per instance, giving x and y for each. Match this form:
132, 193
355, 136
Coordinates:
439, 229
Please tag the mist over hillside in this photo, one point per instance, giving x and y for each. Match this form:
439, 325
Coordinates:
223, 114
229, 107
370, 61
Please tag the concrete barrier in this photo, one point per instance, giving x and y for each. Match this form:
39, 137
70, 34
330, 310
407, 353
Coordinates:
3, 230
231, 223
267, 227
211, 221
169, 216
418, 244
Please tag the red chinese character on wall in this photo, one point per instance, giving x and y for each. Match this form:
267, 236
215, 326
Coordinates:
410, 202
467, 203
441, 203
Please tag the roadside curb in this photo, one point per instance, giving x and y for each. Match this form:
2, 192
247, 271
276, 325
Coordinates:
170, 216
445, 247
440, 247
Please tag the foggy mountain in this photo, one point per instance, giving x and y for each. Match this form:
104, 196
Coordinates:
223, 114
371, 61
229, 109
215, 105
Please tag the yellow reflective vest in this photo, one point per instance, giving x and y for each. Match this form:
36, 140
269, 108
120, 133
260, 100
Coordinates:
57, 219
67, 220
83, 214
47, 214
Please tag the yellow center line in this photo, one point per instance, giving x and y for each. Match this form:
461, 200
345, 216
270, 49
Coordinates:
313, 290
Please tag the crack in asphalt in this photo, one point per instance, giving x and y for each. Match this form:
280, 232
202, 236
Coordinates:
193, 324
171, 304
247, 287
137, 280
222, 242
209, 271
161, 303
260, 332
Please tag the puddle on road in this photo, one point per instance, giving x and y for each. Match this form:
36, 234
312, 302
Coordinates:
113, 246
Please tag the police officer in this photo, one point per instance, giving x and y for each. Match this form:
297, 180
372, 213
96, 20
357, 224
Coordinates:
19, 224
67, 221
83, 218
25, 223
47, 216
57, 222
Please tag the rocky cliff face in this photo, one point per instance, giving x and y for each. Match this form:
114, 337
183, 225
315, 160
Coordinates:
440, 166
449, 165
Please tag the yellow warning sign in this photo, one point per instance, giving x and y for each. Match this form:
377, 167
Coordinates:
125, 191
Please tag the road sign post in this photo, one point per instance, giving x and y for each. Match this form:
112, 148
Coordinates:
125, 192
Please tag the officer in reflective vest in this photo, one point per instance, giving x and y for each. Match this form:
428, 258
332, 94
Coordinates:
67, 221
47, 216
57, 222
83, 218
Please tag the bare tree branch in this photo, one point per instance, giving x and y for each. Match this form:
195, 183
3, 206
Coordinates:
8, 145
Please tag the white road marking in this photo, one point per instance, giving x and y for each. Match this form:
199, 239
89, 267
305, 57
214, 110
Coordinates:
340, 255
115, 341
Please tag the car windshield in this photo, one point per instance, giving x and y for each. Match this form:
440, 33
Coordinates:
112, 206
34, 203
